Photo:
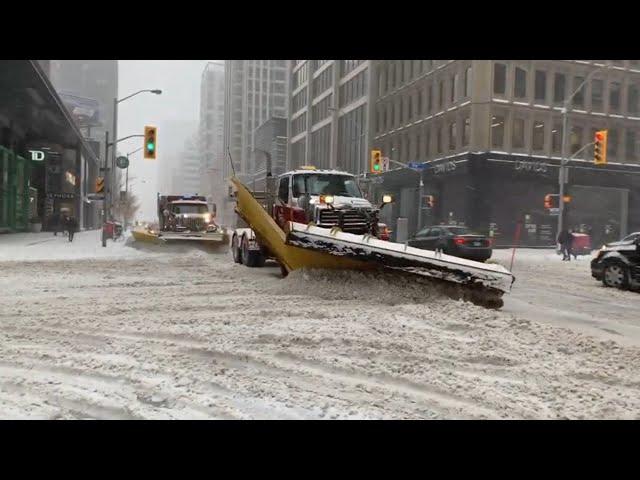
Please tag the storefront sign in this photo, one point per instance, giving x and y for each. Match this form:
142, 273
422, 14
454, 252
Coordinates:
37, 155
445, 167
61, 195
527, 166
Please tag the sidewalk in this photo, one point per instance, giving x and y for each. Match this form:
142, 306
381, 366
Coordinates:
45, 246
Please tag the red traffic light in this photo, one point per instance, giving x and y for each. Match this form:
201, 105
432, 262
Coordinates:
599, 136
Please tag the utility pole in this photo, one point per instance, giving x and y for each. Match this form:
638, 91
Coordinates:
106, 189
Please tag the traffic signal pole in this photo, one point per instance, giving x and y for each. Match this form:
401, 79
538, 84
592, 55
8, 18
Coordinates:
562, 172
106, 188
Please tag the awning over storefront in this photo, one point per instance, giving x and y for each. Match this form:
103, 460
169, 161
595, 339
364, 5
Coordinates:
30, 106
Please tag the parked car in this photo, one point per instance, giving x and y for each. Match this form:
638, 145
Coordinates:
618, 264
453, 240
629, 238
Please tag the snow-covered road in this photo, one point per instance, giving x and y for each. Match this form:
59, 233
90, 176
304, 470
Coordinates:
87, 332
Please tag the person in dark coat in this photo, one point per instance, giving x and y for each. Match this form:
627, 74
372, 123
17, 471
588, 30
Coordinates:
565, 239
54, 223
70, 225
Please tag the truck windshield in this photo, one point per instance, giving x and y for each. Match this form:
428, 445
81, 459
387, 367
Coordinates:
326, 184
189, 208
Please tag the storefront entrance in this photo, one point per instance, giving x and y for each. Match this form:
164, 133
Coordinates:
14, 191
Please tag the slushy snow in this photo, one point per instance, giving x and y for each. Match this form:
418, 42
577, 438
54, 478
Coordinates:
173, 332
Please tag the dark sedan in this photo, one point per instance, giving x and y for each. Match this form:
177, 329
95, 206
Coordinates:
453, 240
618, 264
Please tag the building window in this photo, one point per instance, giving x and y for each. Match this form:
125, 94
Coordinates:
559, 87
439, 135
466, 131
537, 137
575, 139
632, 100
453, 135
630, 145
614, 96
441, 95
578, 99
499, 78
454, 87
556, 138
541, 86
417, 67
428, 104
597, 88
497, 131
419, 103
390, 76
400, 112
467, 82
520, 86
612, 143
517, 135
426, 65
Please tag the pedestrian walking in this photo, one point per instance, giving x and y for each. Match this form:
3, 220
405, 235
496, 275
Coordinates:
565, 239
54, 223
71, 225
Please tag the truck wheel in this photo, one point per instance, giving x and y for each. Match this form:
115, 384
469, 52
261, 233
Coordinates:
251, 258
235, 249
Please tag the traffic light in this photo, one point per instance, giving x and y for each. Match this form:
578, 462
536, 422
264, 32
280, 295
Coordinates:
99, 184
376, 161
600, 148
150, 146
431, 201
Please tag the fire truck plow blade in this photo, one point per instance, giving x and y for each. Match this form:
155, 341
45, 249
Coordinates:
307, 246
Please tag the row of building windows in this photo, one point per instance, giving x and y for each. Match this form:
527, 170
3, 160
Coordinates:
320, 148
320, 110
426, 142
300, 76
351, 140
423, 100
299, 124
323, 82
393, 74
347, 66
299, 100
511, 132
354, 89
543, 87
298, 153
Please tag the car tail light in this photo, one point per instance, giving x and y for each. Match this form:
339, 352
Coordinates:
459, 240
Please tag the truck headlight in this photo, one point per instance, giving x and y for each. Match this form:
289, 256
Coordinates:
328, 199
387, 199
207, 217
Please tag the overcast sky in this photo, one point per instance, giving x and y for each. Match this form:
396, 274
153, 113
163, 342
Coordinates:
175, 113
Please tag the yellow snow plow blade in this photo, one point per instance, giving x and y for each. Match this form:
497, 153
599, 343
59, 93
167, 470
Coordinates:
145, 235
271, 236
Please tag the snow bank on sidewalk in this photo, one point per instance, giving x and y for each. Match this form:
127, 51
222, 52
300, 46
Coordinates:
46, 246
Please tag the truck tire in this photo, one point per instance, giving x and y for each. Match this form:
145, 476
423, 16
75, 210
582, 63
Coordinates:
235, 249
251, 258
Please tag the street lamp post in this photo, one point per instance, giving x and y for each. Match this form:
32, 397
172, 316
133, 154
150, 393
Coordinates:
116, 101
562, 172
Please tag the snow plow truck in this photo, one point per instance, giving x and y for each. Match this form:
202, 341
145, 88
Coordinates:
184, 217
310, 218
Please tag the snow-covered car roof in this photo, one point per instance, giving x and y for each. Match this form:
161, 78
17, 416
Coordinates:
189, 202
322, 171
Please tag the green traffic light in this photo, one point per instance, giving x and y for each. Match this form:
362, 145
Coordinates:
376, 167
151, 146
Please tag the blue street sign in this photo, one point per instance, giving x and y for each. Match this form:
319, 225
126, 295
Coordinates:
417, 166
